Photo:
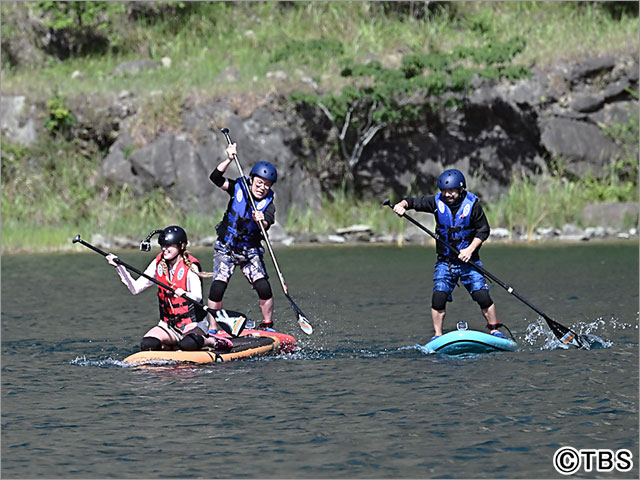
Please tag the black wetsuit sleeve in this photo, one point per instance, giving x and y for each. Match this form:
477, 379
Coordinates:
480, 222
426, 203
217, 177
270, 214
218, 180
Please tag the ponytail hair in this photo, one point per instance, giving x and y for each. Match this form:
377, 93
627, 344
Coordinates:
194, 267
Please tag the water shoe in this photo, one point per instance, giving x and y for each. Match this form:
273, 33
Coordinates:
223, 344
499, 334
267, 326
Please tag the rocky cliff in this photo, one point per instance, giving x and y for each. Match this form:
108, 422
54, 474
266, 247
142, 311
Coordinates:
559, 114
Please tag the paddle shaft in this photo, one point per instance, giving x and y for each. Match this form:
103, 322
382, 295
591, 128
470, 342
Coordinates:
77, 239
559, 330
225, 131
302, 319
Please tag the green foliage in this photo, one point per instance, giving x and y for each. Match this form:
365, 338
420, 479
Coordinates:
492, 53
60, 118
444, 49
555, 200
306, 51
621, 175
342, 209
63, 15
82, 18
12, 156
50, 184
377, 95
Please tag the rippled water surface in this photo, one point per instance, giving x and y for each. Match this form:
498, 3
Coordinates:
359, 399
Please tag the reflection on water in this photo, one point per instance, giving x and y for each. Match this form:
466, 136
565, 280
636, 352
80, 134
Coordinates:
359, 399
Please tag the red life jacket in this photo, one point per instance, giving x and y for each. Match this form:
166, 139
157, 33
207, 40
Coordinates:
174, 310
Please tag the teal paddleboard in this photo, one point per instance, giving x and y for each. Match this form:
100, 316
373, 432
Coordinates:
469, 341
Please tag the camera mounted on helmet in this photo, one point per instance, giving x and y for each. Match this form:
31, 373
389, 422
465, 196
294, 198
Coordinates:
173, 235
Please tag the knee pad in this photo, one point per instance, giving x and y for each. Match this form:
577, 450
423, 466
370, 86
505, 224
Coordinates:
216, 292
482, 298
191, 342
150, 343
439, 300
263, 288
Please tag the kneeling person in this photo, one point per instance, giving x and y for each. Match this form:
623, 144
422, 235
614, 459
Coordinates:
176, 267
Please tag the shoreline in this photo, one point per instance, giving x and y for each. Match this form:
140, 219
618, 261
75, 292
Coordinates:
358, 236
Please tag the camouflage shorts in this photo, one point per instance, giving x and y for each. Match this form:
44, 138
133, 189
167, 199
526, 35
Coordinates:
226, 259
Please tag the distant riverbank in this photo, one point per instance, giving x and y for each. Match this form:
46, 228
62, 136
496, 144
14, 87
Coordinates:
356, 235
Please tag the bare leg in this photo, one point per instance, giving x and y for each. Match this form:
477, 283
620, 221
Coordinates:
437, 316
490, 316
168, 341
266, 307
214, 306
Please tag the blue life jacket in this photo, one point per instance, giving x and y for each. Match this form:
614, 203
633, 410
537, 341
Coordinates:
455, 231
238, 228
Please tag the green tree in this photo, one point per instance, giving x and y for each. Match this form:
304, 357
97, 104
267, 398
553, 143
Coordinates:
85, 26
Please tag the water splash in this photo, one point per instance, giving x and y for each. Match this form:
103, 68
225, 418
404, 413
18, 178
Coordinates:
538, 334
105, 362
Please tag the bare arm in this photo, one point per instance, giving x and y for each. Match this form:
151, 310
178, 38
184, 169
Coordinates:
217, 175
465, 253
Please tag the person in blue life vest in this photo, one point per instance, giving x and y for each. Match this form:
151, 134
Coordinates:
239, 236
182, 325
461, 222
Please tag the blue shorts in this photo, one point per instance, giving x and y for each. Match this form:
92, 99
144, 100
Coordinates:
446, 276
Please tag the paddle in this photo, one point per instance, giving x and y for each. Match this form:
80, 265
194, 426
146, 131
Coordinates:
302, 319
232, 324
564, 334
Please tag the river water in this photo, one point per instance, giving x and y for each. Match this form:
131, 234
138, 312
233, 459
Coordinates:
359, 399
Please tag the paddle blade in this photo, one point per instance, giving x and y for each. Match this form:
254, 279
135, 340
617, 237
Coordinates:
567, 336
231, 322
304, 324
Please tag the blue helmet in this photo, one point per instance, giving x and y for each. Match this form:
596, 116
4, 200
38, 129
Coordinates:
265, 170
451, 179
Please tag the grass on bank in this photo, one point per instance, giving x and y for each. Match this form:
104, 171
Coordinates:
38, 213
211, 36
51, 191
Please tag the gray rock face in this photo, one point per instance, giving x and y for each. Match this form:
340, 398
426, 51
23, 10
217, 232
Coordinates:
504, 128
493, 132
614, 215
18, 120
582, 144
181, 163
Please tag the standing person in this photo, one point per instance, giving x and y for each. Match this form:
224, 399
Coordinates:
176, 267
461, 222
239, 236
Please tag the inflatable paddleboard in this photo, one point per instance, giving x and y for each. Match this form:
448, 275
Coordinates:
252, 343
469, 341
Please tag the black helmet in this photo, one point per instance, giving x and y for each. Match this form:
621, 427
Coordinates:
173, 235
265, 170
451, 179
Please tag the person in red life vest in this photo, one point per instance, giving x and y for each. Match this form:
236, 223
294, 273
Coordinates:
182, 324
239, 236
461, 222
